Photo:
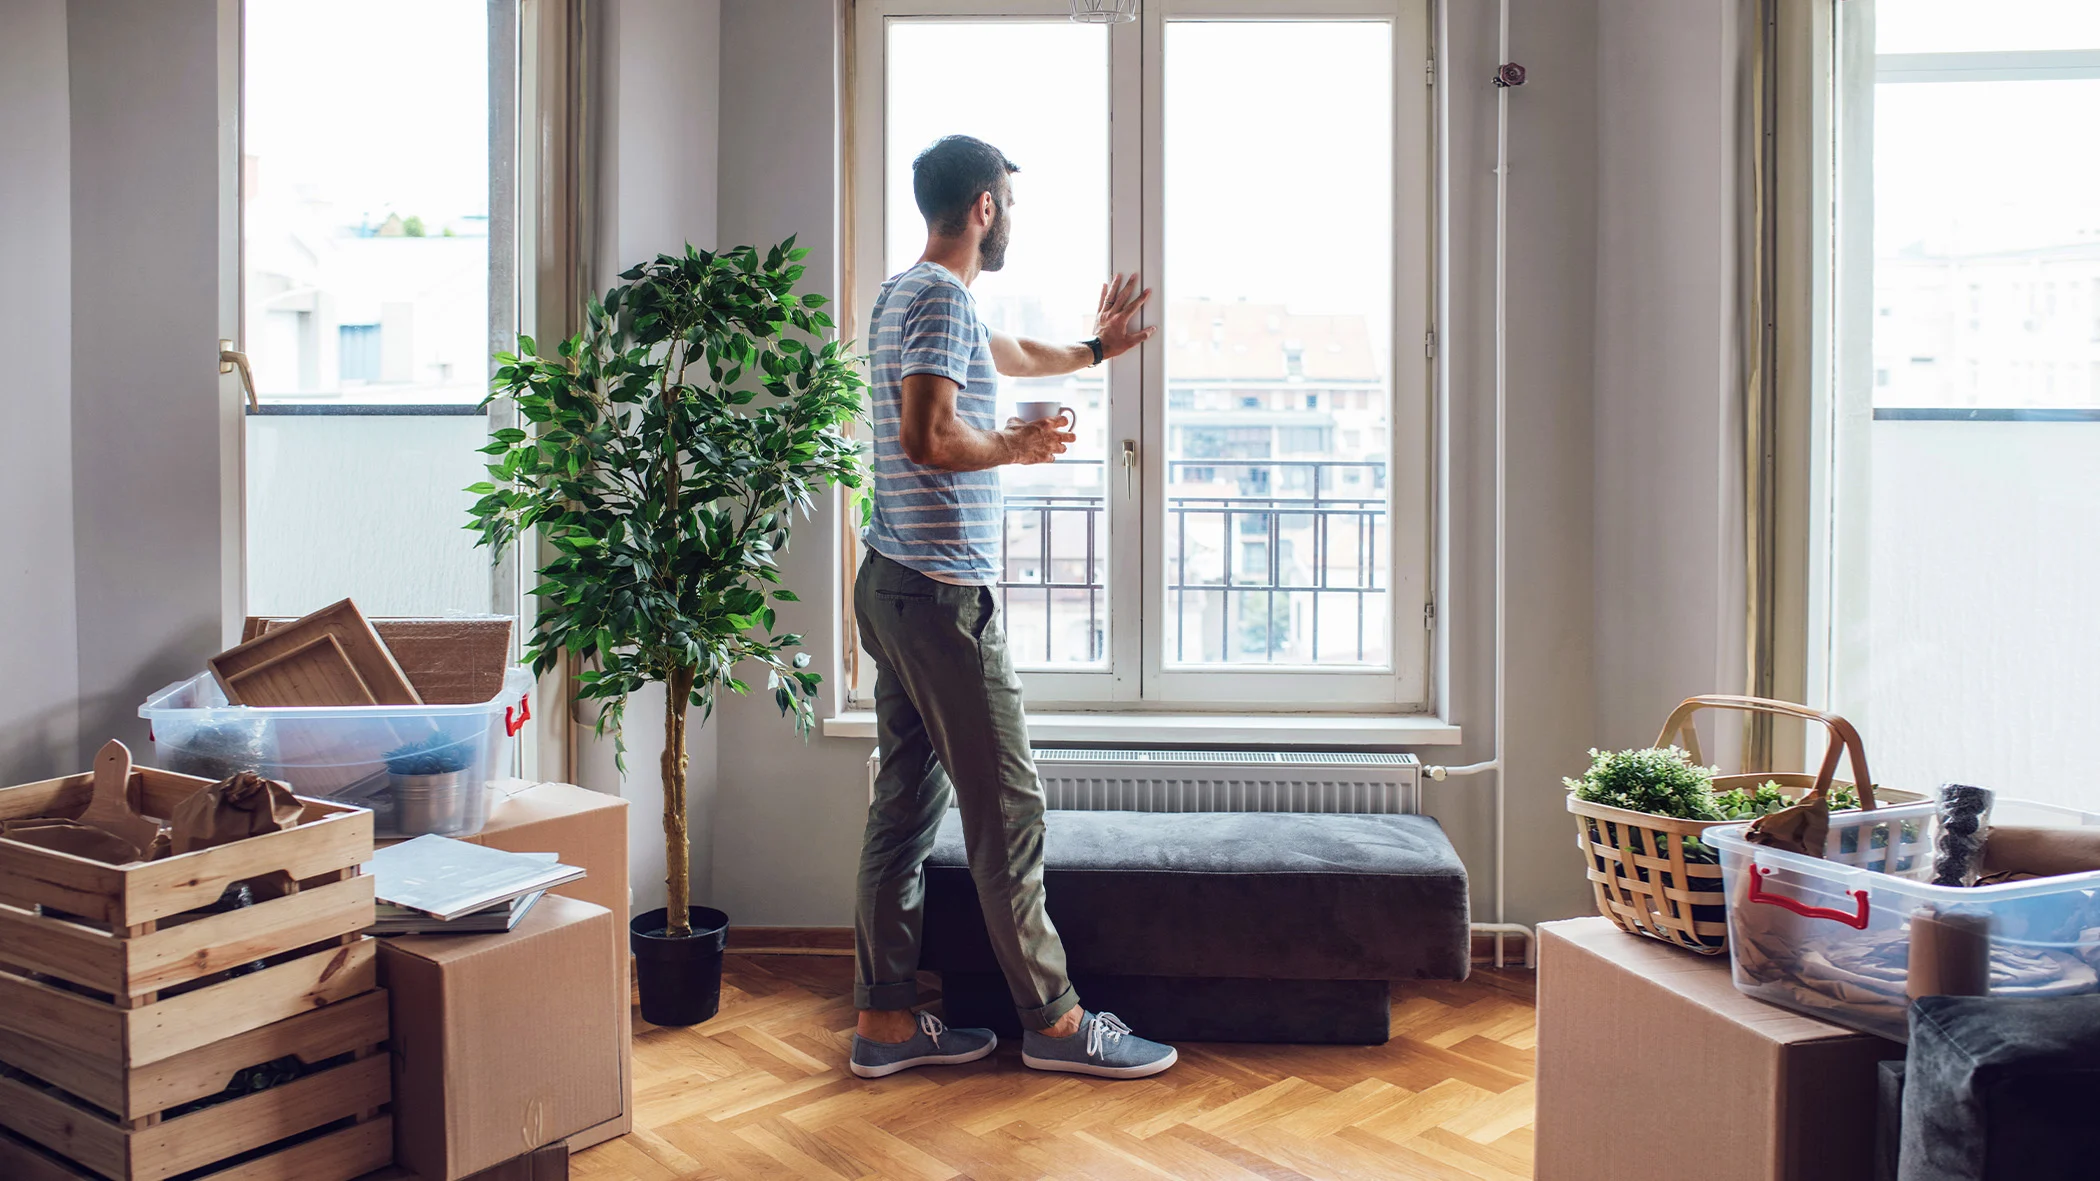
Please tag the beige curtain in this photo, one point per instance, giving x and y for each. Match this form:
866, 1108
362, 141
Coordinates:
1756, 291
555, 179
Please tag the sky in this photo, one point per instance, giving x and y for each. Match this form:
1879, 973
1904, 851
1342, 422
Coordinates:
1278, 154
381, 105
1951, 26
1968, 166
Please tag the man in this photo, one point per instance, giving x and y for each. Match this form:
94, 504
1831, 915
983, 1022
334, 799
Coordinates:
947, 703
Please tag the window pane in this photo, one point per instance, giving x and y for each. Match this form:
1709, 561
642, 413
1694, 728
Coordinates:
1972, 26
364, 188
1055, 575
367, 506
1969, 548
365, 239
1986, 245
1278, 341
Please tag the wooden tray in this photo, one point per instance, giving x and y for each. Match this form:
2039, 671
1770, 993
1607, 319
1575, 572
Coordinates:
317, 672
296, 664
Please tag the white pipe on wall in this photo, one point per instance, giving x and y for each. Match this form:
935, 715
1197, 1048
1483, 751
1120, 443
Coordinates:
1501, 928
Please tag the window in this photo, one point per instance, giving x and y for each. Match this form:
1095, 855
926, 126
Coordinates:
366, 239
1959, 442
358, 347
1244, 520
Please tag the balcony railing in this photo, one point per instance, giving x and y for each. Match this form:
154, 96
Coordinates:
1258, 549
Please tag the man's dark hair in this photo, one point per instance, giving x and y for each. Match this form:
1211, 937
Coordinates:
947, 177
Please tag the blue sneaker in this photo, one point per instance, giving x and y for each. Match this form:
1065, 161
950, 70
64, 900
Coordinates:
1104, 1047
934, 1045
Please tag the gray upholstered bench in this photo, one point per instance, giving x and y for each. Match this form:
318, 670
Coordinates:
1220, 926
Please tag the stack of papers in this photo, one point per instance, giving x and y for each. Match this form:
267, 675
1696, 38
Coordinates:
493, 920
435, 884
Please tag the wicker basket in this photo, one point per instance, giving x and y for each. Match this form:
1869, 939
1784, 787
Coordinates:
1636, 860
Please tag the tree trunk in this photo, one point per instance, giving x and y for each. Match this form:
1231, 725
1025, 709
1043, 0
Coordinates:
678, 849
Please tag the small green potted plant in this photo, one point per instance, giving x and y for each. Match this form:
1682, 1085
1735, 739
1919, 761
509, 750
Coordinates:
664, 453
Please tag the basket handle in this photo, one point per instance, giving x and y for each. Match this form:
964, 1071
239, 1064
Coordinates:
1844, 738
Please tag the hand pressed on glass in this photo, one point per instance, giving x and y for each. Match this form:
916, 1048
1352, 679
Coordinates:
1120, 300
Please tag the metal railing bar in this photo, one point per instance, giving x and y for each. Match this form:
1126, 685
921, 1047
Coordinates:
367, 410
1987, 414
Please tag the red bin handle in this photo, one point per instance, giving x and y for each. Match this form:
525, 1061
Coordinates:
524, 714
1857, 921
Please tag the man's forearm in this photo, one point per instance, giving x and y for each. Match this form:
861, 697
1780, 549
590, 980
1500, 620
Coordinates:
963, 448
1028, 357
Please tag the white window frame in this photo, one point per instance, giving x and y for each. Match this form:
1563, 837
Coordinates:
1137, 677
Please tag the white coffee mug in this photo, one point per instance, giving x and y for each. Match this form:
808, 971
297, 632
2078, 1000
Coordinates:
1038, 411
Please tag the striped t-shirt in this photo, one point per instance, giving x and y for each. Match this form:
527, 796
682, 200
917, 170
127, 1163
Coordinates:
943, 524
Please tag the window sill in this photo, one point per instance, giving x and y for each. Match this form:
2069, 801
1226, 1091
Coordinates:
1255, 730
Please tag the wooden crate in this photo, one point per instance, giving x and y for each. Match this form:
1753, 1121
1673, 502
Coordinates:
116, 1009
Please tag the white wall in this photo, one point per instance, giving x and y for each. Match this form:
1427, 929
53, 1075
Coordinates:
788, 814
1668, 559
154, 429
39, 717
1551, 415
659, 68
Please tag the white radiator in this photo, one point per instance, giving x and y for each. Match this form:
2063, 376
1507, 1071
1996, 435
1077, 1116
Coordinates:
1225, 781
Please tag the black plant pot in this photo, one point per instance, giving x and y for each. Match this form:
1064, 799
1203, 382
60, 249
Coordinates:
681, 979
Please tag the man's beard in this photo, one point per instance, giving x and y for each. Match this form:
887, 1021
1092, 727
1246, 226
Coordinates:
991, 252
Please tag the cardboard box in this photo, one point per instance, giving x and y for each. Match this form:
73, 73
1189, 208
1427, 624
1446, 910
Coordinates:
503, 1044
588, 829
1652, 1067
548, 1164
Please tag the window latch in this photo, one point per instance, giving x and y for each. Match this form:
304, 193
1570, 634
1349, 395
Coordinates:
1129, 467
232, 360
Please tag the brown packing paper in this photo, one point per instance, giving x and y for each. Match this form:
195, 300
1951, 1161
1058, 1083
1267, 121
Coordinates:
2042, 852
1799, 828
244, 806
1950, 955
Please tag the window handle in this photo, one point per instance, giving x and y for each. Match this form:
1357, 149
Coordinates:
1130, 467
232, 360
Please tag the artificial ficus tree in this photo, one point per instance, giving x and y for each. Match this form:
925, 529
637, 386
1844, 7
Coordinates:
664, 453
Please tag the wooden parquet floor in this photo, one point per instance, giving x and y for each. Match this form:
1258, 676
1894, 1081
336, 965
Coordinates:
761, 1091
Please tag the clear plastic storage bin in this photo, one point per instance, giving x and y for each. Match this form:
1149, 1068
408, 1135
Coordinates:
420, 768
1848, 936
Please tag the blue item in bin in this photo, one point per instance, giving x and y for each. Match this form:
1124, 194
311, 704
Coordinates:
342, 752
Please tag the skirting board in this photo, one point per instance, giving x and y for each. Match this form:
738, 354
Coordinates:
791, 940
839, 941
1512, 950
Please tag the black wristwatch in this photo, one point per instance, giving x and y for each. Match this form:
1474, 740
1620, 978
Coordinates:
1094, 344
